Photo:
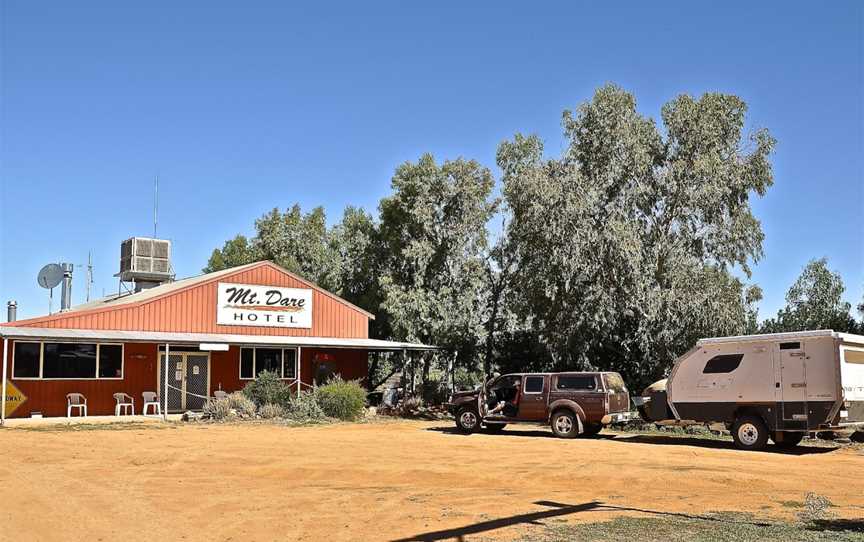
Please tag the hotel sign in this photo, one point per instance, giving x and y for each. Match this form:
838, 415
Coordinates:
256, 305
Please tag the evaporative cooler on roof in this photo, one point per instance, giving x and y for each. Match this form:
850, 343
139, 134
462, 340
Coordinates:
143, 259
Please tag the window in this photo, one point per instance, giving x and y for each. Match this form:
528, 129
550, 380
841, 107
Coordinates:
268, 359
533, 384
247, 363
724, 363
615, 383
69, 360
110, 361
53, 360
26, 360
790, 346
289, 358
580, 383
254, 361
853, 356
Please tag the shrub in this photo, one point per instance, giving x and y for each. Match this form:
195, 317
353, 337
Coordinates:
241, 404
218, 409
434, 393
271, 410
305, 408
408, 407
342, 399
268, 388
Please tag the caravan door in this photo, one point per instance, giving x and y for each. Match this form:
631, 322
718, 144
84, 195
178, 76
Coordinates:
793, 384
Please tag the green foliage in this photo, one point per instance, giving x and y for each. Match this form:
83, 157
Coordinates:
626, 241
229, 407
268, 387
218, 409
344, 259
433, 229
617, 254
409, 407
342, 399
304, 408
710, 527
241, 405
815, 301
271, 411
237, 251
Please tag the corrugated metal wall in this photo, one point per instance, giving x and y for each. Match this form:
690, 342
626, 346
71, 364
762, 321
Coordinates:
225, 366
193, 310
49, 396
140, 375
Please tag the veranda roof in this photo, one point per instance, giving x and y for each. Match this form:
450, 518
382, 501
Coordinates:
96, 335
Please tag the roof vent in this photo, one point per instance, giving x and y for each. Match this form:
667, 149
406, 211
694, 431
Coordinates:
145, 261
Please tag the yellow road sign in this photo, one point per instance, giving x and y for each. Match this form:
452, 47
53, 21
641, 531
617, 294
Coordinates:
14, 398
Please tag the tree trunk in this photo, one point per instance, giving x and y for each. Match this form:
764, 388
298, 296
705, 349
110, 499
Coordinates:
490, 334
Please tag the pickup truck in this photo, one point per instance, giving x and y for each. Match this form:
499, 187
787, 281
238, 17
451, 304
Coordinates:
572, 403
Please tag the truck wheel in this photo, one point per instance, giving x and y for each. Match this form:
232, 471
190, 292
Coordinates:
591, 429
467, 420
857, 436
786, 439
495, 427
565, 424
749, 433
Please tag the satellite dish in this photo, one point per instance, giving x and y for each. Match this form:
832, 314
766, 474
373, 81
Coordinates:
50, 276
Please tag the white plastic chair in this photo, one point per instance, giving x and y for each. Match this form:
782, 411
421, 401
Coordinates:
76, 400
220, 394
151, 399
125, 402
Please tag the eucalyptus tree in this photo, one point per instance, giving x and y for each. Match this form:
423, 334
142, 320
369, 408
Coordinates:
627, 241
433, 237
815, 301
236, 251
300, 242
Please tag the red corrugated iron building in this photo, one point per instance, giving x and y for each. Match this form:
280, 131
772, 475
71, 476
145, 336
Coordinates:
219, 329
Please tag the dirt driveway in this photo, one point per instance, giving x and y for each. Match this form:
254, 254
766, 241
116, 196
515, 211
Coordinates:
383, 481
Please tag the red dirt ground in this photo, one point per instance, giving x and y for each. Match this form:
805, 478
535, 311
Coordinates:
384, 481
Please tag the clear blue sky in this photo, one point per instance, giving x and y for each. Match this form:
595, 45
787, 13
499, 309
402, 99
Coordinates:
241, 107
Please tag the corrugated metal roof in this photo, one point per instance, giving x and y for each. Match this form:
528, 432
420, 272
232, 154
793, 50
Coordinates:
169, 287
130, 311
848, 337
33, 333
156, 291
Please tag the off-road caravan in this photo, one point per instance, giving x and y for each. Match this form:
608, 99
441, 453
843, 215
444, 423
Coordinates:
777, 386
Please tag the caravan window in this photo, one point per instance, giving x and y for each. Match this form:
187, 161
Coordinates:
724, 363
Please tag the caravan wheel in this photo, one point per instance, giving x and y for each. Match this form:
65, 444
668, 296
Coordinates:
750, 433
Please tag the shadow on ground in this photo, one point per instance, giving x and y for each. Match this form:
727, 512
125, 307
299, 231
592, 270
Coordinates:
853, 525
636, 438
554, 510
669, 440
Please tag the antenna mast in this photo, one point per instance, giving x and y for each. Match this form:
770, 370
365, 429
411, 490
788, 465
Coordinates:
89, 273
155, 203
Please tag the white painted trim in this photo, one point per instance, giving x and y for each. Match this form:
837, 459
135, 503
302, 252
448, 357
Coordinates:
194, 339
